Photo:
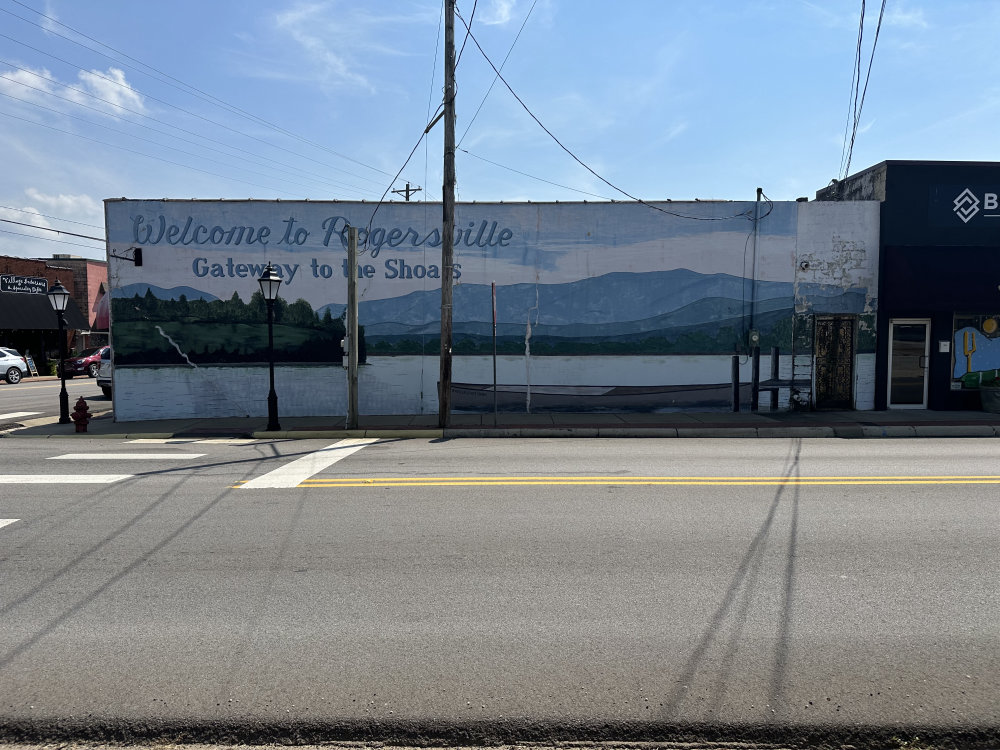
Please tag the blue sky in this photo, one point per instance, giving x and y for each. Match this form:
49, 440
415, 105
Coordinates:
291, 99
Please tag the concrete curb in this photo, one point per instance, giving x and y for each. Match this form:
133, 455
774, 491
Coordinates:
344, 434
205, 430
954, 430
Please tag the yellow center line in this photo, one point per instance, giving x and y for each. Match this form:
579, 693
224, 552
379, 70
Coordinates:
647, 481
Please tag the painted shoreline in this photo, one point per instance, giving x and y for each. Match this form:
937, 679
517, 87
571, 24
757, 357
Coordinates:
408, 384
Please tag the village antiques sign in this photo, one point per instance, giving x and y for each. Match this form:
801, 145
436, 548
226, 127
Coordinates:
24, 284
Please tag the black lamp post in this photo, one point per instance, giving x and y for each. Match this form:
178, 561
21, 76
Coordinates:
269, 283
59, 298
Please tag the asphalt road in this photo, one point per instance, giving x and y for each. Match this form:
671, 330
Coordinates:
33, 398
500, 590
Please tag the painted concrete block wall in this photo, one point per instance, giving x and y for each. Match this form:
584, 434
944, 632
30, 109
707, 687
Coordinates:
837, 250
587, 294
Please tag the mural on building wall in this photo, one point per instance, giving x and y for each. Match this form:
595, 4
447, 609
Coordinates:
976, 348
606, 280
571, 278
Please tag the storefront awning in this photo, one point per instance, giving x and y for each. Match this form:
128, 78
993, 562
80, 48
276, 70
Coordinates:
33, 312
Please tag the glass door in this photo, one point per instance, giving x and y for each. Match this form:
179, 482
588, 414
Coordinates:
909, 347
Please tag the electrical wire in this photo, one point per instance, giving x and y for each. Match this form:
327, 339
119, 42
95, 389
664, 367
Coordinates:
861, 103
741, 215
48, 239
533, 177
237, 149
49, 229
200, 157
494, 83
140, 153
852, 100
471, 17
175, 82
381, 200
57, 218
145, 116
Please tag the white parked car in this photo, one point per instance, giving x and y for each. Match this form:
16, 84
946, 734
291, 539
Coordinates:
105, 373
13, 366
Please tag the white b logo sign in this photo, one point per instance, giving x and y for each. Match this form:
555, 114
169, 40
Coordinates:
967, 204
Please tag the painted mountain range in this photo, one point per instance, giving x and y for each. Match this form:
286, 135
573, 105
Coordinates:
618, 306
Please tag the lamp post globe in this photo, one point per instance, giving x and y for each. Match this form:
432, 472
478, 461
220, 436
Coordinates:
59, 299
269, 283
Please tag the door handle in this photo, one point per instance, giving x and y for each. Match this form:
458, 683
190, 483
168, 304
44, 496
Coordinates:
922, 362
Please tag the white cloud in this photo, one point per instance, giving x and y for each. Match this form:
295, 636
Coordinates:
30, 85
903, 17
106, 91
313, 29
109, 87
499, 12
68, 206
343, 43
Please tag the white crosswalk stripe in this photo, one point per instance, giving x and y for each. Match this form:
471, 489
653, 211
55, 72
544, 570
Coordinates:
294, 473
8, 521
63, 478
18, 414
126, 456
202, 441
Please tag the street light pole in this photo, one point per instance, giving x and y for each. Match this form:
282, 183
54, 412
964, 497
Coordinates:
269, 283
59, 298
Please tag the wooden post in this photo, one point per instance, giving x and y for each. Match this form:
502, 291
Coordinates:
735, 376
352, 328
775, 370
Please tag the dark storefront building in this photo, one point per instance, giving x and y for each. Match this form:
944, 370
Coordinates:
938, 322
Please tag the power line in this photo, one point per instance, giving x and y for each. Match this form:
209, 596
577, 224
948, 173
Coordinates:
48, 239
57, 218
852, 100
140, 153
143, 125
200, 157
382, 199
168, 79
861, 103
533, 177
57, 231
143, 115
472, 16
743, 214
494, 83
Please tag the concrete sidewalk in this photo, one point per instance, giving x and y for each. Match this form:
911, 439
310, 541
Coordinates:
817, 424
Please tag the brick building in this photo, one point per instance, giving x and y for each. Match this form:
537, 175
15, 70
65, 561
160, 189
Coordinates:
27, 321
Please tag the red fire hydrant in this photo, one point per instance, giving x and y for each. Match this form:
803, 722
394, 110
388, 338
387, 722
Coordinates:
81, 415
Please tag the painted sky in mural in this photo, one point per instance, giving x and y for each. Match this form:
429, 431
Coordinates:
977, 352
219, 247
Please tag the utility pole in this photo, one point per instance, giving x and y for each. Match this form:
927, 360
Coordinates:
407, 191
448, 215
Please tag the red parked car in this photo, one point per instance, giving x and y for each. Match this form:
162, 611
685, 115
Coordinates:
87, 363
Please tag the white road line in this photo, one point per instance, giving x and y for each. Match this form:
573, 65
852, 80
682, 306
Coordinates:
205, 441
162, 441
16, 414
8, 521
126, 456
63, 478
296, 472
